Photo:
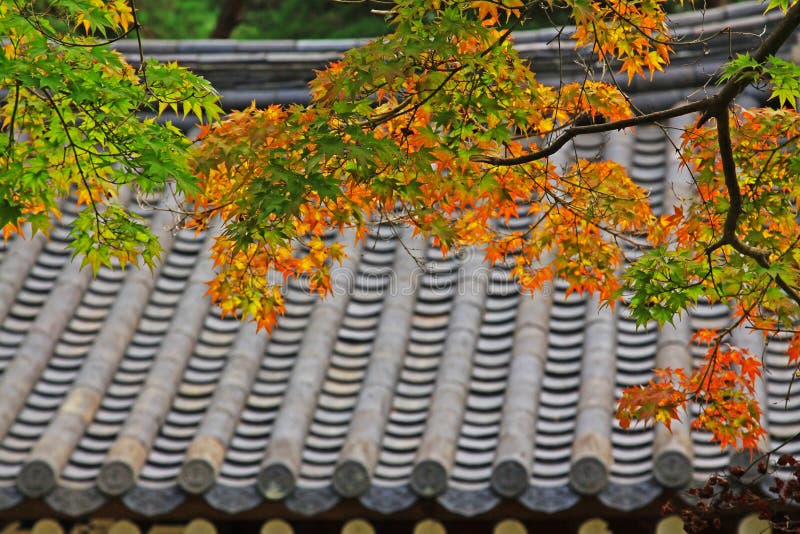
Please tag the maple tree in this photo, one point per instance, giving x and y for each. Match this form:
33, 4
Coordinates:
442, 126
69, 125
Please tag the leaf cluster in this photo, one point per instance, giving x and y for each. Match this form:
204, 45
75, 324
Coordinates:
73, 121
722, 390
442, 126
397, 124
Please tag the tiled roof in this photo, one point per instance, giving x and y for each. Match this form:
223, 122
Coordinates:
415, 381
278, 71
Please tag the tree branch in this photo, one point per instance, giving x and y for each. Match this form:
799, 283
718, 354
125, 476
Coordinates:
731, 182
768, 48
711, 106
729, 236
575, 131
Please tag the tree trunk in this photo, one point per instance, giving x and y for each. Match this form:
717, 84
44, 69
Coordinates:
229, 17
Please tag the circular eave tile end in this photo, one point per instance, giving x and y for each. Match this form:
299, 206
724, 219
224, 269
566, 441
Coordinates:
351, 479
116, 478
509, 479
37, 479
588, 475
275, 482
672, 469
429, 478
197, 476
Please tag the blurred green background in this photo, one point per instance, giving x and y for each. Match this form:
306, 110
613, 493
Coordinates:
259, 19
295, 19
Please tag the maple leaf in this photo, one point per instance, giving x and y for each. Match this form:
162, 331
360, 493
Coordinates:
705, 336
793, 350
751, 368
658, 401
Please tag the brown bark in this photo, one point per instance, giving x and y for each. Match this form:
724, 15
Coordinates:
230, 15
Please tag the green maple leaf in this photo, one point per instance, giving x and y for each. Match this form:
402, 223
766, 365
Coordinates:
9, 213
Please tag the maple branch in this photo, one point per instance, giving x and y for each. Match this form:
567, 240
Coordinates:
575, 131
729, 236
731, 182
710, 106
761, 259
714, 106
769, 47
719, 110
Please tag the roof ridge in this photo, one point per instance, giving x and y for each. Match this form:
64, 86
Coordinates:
590, 463
39, 474
283, 456
436, 452
206, 453
513, 461
360, 453
129, 451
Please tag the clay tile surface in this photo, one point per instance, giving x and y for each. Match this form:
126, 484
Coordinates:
419, 381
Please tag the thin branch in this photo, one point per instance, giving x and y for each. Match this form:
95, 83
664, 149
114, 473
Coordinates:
74, 147
399, 109
710, 106
12, 125
575, 131
769, 47
141, 69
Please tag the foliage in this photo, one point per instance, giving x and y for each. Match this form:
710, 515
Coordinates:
69, 124
723, 387
729, 492
440, 125
403, 131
